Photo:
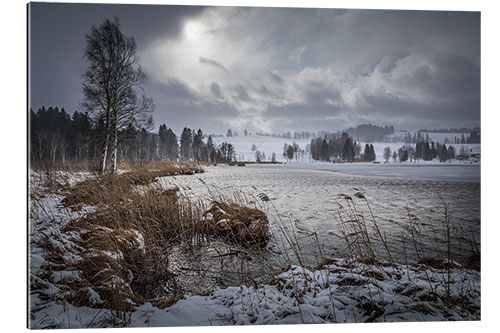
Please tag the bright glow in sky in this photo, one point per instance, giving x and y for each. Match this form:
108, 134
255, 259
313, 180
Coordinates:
193, 30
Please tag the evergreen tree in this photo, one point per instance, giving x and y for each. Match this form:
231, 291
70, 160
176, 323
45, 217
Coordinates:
394, 156
443, 153
369, 153
403, 154
427, 153
172, 146
290, 152
348, 150
258, 156
285, 150
197, 145
186, 144
163, 142
434, 152
419, 150
324, 153
387, 154
451, 152
212, 153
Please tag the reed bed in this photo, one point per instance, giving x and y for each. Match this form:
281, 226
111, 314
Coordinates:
124, 243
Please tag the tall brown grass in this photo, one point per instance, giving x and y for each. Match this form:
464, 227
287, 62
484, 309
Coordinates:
134, 226
360, 238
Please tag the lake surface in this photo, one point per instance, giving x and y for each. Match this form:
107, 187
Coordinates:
457, 172
306, 199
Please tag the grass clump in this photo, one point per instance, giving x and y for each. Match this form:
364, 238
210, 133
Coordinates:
238, 224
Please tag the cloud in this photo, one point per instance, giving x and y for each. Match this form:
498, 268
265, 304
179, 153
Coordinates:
241, 93
275, 77
211, 62
216, 91
335, 67
296, 55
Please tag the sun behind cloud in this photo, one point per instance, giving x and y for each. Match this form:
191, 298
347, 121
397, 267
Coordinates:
192, 30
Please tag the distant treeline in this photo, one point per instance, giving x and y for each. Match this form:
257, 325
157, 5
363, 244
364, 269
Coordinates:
451, 130
426, 151
340, 147
57, 137
287, 135
365, 132
473, 137
369, 132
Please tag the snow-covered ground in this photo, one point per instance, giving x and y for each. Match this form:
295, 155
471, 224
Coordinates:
265, 144
338, 292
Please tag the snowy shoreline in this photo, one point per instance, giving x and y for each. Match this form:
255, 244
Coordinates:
335, 292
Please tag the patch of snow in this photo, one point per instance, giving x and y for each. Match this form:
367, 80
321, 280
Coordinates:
338, 292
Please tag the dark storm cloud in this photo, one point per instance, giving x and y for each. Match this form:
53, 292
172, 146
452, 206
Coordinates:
177, 92
195, 113
275, 77
214, 63
275, 69
216, 91
241, 93
401, 111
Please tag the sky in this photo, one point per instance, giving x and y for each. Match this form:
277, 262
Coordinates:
274, 69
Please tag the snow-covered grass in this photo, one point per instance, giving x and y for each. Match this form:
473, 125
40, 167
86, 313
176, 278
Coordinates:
350, 289
341, 291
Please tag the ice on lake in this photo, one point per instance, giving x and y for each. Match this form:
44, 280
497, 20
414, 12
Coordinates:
306, 197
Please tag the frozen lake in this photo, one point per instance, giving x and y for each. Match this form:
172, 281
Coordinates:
306, 198
457, 172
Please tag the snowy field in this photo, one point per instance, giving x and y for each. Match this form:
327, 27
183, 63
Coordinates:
265, 144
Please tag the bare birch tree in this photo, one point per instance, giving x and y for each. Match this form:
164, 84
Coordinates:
112, 87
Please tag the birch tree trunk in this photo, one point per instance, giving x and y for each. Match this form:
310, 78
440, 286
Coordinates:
114, 151
105, 145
